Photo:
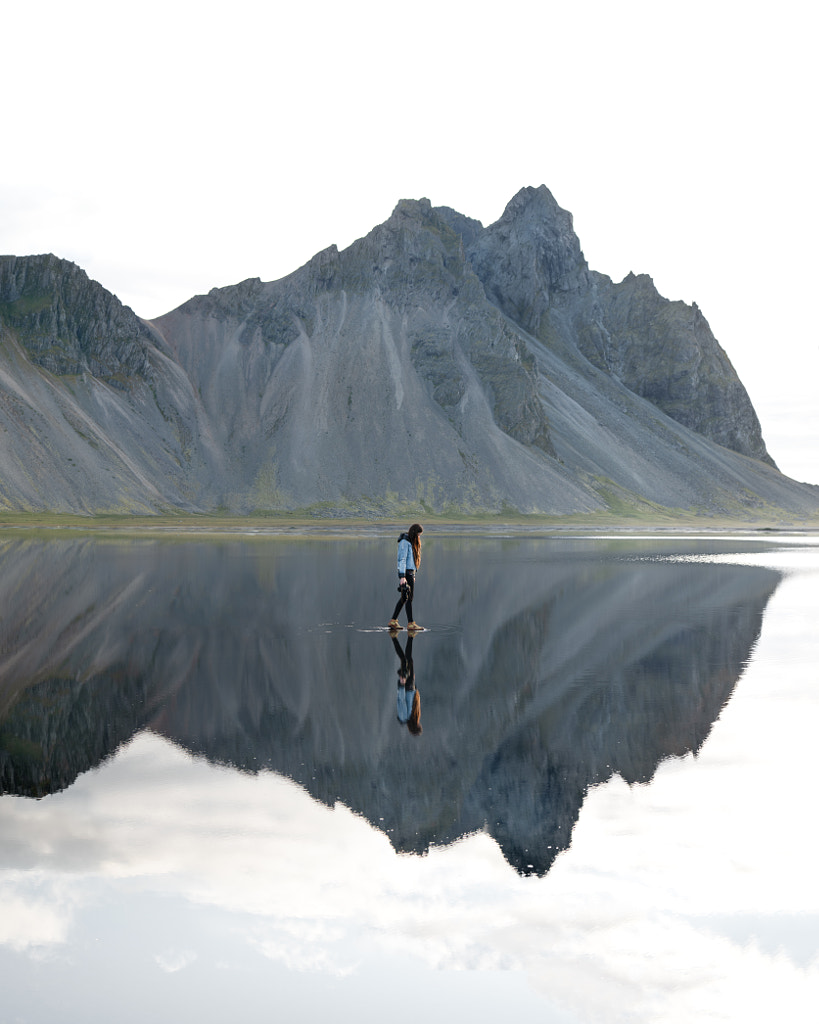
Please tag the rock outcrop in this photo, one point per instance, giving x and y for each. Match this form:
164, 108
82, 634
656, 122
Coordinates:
665, 352
69, 324
433, 364
531, 265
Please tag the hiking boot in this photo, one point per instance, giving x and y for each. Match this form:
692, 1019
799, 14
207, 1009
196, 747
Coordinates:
394, 625
413, 627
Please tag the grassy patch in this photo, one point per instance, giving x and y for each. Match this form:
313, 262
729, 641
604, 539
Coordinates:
26, 305
317, 520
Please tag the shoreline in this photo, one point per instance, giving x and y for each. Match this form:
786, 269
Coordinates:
294, 526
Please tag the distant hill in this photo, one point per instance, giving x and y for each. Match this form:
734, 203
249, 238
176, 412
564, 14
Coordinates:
432, 365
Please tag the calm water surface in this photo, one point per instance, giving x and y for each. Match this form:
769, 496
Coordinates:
211, 811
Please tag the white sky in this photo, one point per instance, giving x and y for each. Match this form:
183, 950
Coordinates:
171, 147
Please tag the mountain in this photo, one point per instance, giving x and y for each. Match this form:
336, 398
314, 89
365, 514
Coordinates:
433, 364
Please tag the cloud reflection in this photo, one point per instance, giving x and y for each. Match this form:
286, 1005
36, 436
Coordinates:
320, 891
31, 920
172, 960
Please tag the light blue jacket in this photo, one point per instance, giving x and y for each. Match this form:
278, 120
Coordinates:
406, 561
405, 699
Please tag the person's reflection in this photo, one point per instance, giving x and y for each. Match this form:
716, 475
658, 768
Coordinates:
409, 699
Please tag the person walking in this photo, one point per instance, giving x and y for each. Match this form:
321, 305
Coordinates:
409, 559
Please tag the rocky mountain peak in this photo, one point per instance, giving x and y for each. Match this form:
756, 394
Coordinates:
415, 254
412, 209
529, 257
467, 228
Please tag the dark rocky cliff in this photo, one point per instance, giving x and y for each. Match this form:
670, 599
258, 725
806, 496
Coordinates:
433, 364
71, 325
665, 352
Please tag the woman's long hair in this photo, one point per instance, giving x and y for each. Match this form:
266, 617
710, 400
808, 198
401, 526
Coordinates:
414, 720
414, 535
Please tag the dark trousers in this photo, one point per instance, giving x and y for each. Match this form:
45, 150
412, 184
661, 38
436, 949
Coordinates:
407, 669
406, 597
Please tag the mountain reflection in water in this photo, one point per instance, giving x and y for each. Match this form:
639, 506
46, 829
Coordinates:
547, 667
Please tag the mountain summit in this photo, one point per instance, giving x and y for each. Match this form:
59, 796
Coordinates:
433, 364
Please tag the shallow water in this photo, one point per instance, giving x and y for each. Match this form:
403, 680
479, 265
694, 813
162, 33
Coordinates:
211, 808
